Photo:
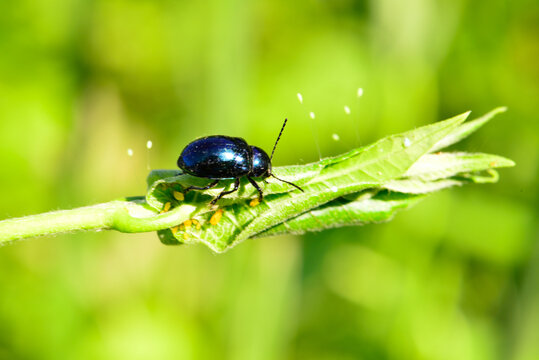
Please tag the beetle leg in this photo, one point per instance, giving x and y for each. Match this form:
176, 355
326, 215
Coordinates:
223, 193
209, 186
260, 193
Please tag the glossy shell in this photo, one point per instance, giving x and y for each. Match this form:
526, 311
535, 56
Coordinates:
261, 163
217, 157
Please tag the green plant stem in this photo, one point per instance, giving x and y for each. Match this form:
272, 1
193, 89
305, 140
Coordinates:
122, 215
86, 218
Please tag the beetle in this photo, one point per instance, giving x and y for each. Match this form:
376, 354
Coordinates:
221, 157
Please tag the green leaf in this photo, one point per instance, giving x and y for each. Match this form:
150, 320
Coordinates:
466, 129
343, 211
416, 186
443, 165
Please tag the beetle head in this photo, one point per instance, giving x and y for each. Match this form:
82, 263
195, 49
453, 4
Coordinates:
261, 163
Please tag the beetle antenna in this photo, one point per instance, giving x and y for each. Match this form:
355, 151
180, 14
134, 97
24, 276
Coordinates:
271, 157
288, 182
276, 141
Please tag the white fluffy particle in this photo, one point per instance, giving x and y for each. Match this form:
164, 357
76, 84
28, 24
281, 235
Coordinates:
360, 92
407, 142
346, 109
336, 137
149, 144
129, 152
311, 114
334, 189
300, 98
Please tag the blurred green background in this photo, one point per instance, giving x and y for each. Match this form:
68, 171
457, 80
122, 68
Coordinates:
82, 81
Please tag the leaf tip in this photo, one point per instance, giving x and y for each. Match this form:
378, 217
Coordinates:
459, 119
493, 112
500, 162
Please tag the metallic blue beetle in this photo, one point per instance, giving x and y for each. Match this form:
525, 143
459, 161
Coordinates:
222, 157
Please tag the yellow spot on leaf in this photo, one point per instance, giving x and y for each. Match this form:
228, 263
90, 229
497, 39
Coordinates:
178, 195
174, 230
216, 217
188, 223
185, 236
493, 164
196, 223
254, 202
166, 208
